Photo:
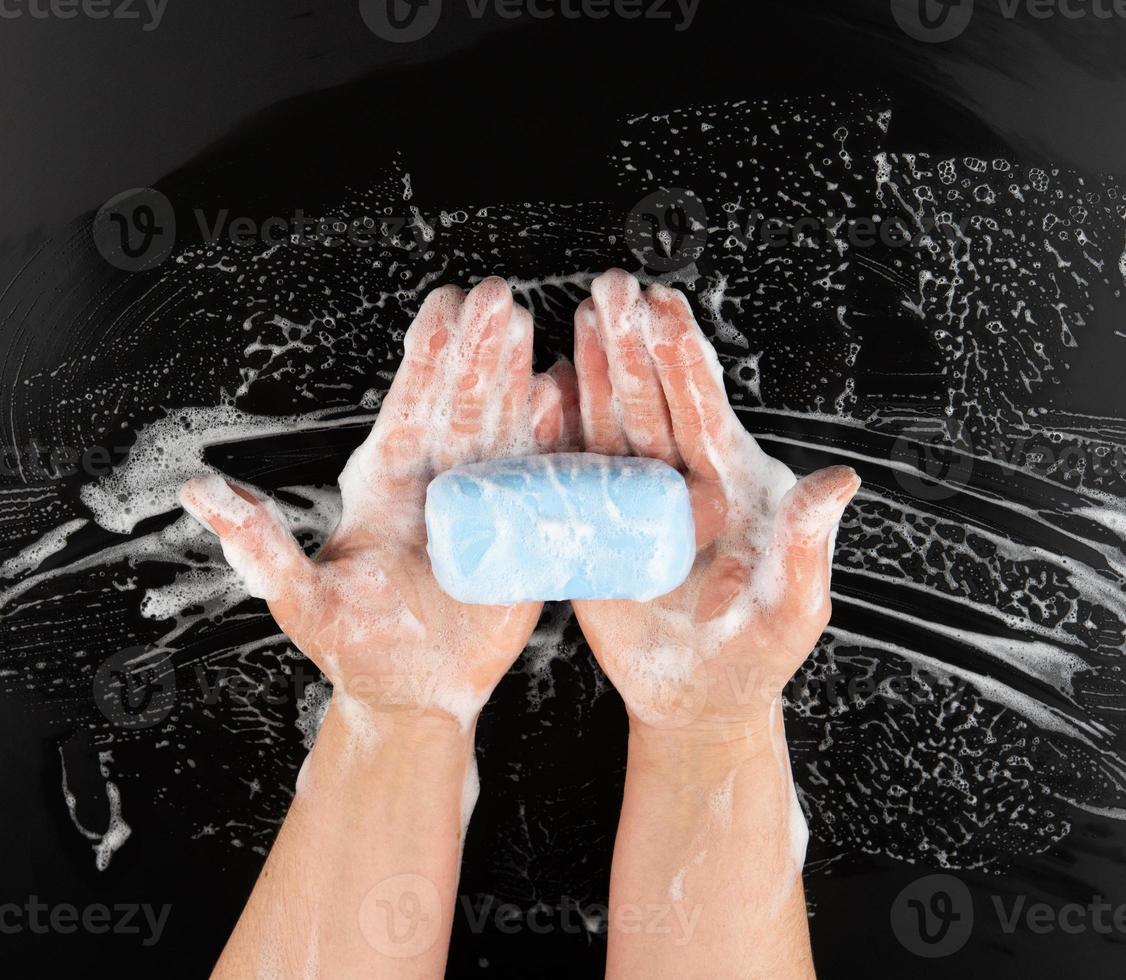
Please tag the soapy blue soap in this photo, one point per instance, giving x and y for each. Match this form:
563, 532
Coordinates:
562, 526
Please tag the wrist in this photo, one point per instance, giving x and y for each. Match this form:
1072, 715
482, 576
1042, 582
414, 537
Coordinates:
403, 696
361, 728
708, 747
361, 759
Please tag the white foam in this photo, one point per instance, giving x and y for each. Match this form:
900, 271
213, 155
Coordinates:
470, 791
31, 557
117, 831
166, 455
676, 886
721, 801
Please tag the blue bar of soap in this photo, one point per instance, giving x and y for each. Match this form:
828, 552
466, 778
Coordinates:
562, 526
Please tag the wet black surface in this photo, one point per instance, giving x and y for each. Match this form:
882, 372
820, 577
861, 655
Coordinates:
987, 347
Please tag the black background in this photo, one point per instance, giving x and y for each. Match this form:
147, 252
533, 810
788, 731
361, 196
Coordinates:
271, 101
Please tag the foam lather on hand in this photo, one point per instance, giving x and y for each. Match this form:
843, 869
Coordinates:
563, 526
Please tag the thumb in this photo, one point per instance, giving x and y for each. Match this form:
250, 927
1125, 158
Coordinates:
555, 408
563, 373
808, 517
253, 533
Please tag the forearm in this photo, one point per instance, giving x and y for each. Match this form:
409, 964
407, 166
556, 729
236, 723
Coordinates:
709, 855
362, 879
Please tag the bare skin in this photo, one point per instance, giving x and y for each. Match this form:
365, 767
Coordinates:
361, 881
710, 825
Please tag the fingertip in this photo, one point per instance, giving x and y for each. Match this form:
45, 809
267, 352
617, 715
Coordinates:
842, 482
215, 502
245, 492
672, 324
547, 411
521, 325
590, 352
545, 392
615, 287
563, 372
815, 504
191, 496
445, 301
585, 316
494, 284
202, 490
662, 293
491, 297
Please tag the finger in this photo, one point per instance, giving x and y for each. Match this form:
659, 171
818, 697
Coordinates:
563, 374
512, 436
413, 390
254, 535
807, 520
475, 361
709, 436
394, 460
622, 316
602, 432
547, 413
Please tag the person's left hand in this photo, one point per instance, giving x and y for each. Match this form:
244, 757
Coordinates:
711, 657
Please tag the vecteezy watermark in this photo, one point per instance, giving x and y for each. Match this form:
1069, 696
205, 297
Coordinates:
746, 686
759, 230
63, 918
136, 230
403, 21
32, 461
934, 916
932, 21
677, 920
929, 466
935, 21
149, 12
932, 465
402, 916
667, 229
138, 688
838, 691
135, 688
297, 229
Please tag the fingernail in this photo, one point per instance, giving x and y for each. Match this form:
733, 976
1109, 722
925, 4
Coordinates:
209, 497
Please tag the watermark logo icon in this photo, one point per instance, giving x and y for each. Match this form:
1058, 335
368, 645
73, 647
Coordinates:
401, 21
136, 230
678, 697
928, 466
933, 916
932, 21
401, 917
668, 229
132, 694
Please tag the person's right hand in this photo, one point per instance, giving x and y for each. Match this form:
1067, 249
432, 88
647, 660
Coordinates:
367, 610
711, 657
